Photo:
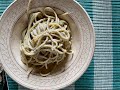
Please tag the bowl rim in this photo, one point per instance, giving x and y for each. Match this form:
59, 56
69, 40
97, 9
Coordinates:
85, 65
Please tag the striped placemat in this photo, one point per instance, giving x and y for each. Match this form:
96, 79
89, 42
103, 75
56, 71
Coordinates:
104, 70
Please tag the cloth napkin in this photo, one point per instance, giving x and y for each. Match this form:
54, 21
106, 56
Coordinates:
104, 70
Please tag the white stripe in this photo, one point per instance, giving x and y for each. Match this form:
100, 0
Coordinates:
103, 67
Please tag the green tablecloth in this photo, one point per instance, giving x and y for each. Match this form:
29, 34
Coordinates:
104, 70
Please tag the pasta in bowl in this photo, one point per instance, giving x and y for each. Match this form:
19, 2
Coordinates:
45, 42
48, 46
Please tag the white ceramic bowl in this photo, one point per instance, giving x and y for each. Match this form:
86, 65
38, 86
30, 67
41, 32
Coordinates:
12, 23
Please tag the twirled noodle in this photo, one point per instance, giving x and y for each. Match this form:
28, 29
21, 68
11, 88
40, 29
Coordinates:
45, 42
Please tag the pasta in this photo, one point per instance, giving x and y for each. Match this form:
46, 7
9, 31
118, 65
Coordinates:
45, 42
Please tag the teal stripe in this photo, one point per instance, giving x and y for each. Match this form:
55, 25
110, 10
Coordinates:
86, 82
116, 43
12, 84
3, 5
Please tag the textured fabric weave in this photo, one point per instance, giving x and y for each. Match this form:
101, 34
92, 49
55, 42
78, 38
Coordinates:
104, 70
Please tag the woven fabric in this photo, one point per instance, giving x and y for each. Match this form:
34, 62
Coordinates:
104, 70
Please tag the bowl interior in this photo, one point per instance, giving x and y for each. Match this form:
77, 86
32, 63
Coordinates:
21, 25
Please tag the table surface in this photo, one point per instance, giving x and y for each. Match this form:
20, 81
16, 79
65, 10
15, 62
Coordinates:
104, 70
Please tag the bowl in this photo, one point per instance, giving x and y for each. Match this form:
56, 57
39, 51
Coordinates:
13, 22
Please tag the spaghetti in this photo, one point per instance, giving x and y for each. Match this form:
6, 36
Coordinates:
45, 42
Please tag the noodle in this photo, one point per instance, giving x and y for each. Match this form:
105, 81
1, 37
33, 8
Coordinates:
45, 42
